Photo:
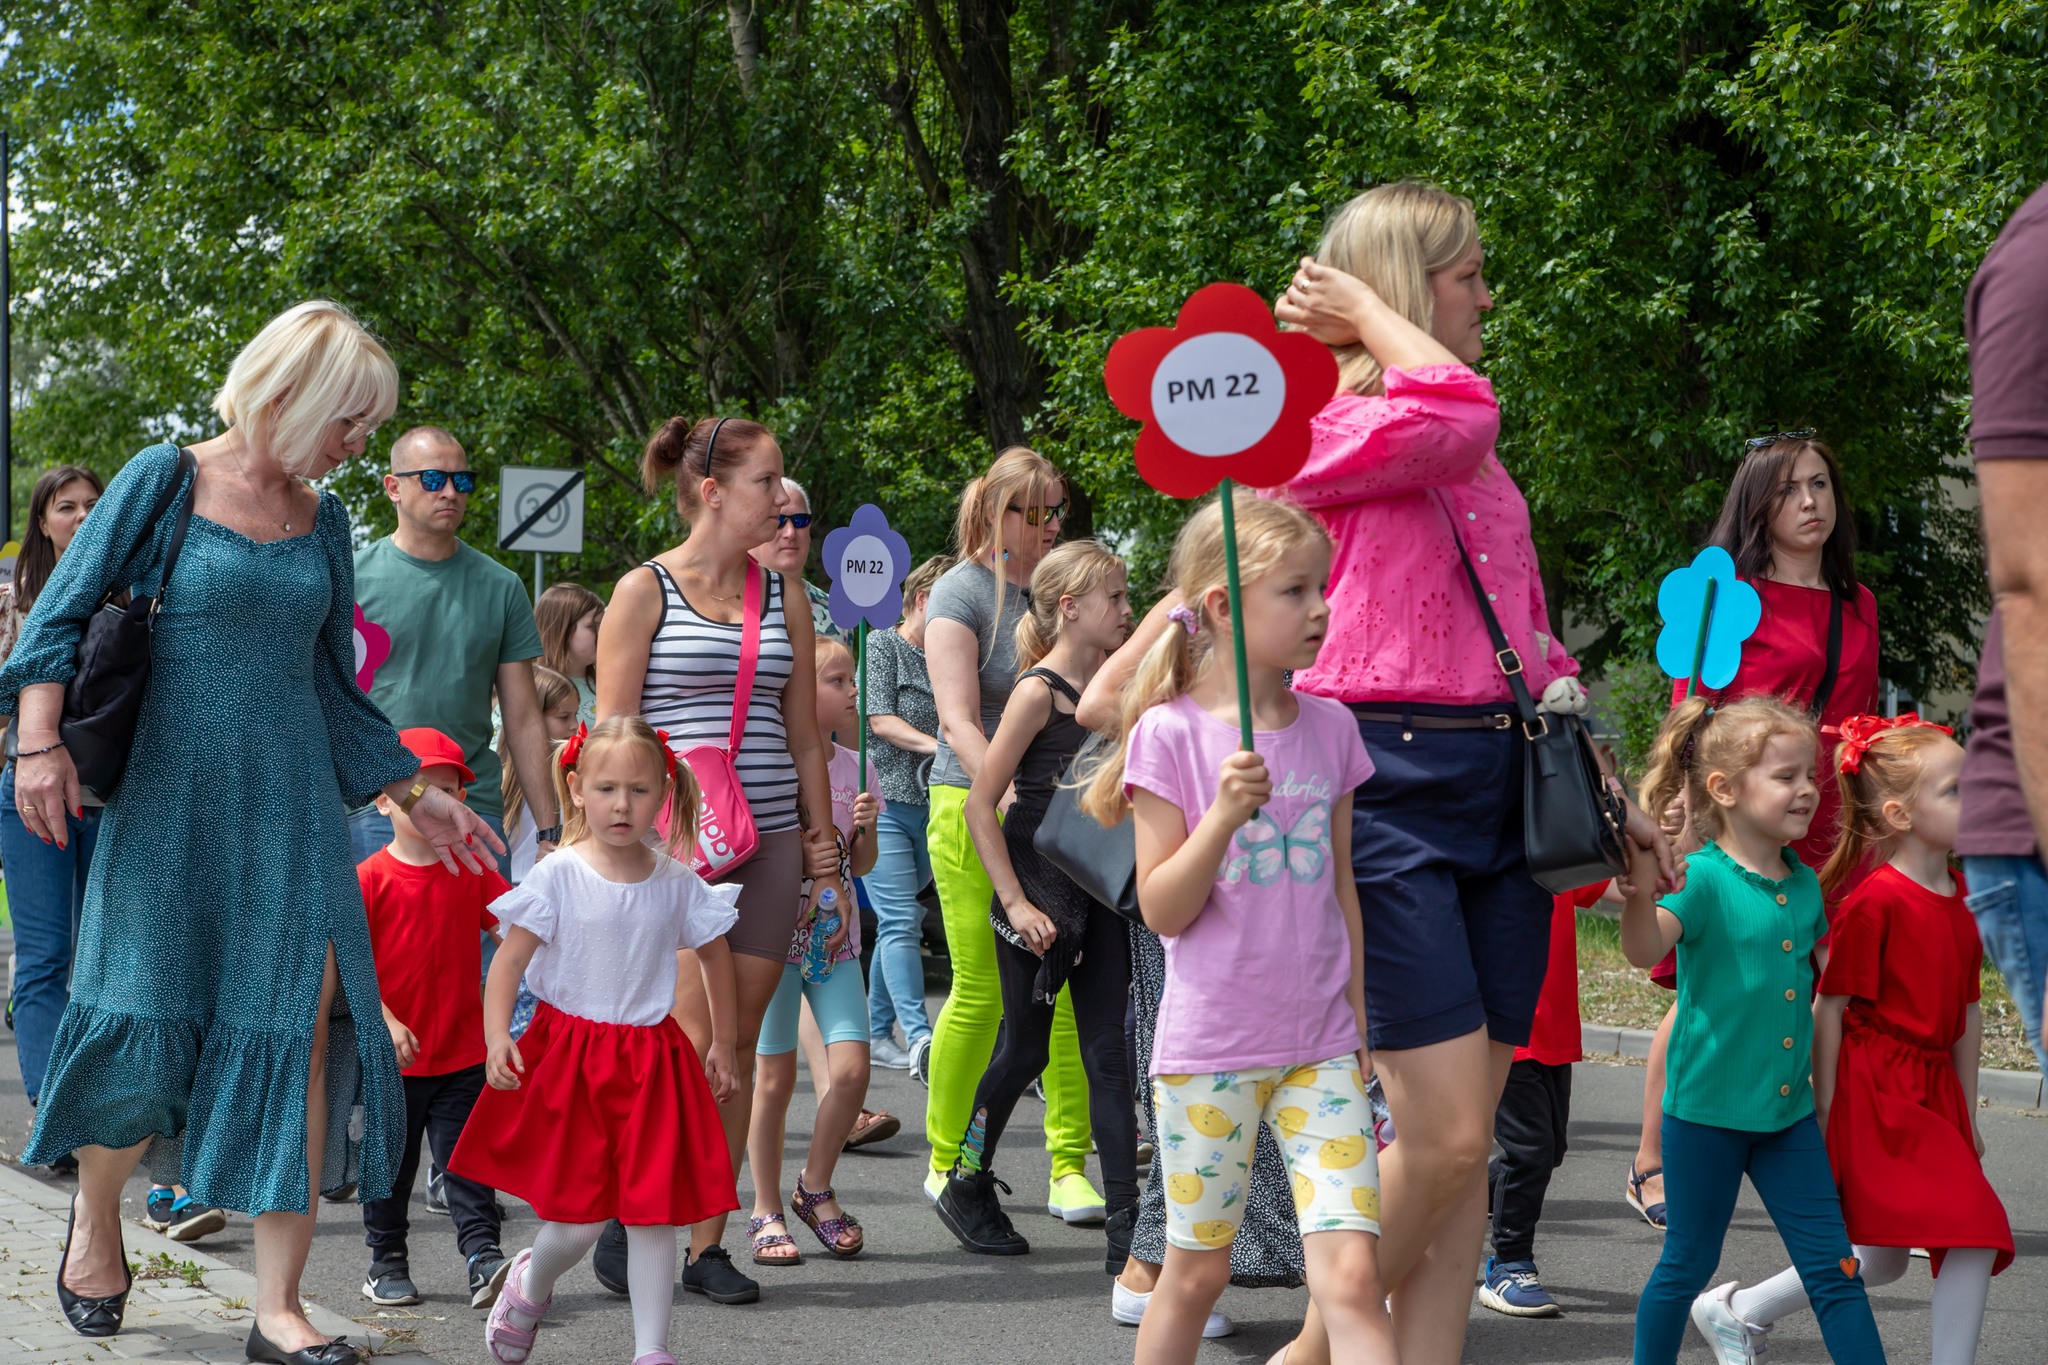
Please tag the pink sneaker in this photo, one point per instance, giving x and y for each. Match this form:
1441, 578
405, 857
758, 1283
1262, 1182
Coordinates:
655, 1358
501, 1338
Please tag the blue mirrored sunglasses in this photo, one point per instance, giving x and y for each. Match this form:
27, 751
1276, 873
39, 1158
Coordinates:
434, 480
800, 520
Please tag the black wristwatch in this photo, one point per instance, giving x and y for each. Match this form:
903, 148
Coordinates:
551, 835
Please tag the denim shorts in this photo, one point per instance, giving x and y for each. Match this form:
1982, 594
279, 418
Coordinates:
1457, 933
2009, 898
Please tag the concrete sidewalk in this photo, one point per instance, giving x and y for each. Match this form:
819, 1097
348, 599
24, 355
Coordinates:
186, 1306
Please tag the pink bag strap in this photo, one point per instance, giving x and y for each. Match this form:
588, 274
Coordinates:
751, 612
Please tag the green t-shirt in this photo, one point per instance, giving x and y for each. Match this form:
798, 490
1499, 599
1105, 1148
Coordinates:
1742, 1046
451, 623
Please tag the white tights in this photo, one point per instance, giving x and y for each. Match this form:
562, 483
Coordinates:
1959, 1294
650, 1275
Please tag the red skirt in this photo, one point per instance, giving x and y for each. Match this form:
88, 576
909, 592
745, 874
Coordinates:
612, 1121
1900, 1142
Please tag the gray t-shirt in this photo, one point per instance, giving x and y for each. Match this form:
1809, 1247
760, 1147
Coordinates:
897, 685
967, 594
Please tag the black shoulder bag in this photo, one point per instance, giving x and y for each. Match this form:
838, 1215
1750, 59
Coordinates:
1101, 860
103, 700
1572, 821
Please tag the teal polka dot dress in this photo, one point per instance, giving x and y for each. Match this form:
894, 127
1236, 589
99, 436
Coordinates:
223, 870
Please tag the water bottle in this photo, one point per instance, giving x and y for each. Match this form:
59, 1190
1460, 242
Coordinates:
817, 964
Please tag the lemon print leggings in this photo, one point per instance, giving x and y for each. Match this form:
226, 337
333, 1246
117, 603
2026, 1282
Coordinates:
1319, 1116
964, 1035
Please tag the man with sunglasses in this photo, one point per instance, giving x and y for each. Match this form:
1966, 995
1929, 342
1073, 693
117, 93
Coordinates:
461, 626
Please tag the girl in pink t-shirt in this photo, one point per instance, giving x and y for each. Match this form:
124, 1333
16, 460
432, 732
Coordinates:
1239, 853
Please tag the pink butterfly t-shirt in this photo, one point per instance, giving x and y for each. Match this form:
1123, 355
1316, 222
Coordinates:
1259, 978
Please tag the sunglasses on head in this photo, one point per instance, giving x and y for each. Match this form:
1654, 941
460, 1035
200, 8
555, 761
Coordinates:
1759, 442
800, 520
1038, 516
434, 480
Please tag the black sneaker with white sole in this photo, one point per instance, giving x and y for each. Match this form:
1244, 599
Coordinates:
487, 1271
389, 1285
180, 1217
972, 1213
713, 1275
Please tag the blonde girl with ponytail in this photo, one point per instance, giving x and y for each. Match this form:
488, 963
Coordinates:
1050, 935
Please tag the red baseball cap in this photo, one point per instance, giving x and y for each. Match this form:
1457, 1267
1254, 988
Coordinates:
436, 750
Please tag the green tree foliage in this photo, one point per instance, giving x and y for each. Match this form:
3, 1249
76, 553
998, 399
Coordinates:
905, 232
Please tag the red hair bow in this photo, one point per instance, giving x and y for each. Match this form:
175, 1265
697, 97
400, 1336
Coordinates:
572, 747
668, 754
1858, 733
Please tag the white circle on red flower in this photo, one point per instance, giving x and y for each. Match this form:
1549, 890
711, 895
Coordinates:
1218, 393
866, 570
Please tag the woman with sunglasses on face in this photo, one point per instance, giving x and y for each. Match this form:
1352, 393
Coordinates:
1008, 519
1789, 529
241, 1073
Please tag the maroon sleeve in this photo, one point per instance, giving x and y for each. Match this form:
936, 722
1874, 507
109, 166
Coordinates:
494, 887
2006, 320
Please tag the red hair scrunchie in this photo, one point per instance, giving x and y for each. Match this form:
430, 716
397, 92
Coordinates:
1858, 733
572, 747
667, 753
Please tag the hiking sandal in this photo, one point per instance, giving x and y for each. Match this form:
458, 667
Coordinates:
762, 1240
830, 1230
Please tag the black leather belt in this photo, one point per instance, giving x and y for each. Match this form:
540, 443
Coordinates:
1423, 722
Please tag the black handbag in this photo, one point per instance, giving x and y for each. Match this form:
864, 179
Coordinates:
1101, 860
1572, 821
103, 700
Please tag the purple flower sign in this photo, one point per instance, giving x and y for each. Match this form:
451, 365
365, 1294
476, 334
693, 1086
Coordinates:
867, 562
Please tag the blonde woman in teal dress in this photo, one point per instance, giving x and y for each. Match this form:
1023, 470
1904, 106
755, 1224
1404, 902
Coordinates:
224, 848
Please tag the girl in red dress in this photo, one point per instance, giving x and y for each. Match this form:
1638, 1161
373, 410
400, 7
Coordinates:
1895, 1042
601, 1110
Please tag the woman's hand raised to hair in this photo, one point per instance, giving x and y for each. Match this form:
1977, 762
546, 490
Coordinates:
1325, 302
45, 791
458, 834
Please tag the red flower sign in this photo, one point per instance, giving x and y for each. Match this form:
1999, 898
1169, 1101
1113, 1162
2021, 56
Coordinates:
1223, 394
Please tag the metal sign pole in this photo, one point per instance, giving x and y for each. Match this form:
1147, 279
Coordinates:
536, 577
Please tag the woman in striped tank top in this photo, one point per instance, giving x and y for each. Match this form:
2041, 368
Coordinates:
669, 651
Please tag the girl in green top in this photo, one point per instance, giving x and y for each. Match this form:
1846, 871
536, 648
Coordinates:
1737, 1098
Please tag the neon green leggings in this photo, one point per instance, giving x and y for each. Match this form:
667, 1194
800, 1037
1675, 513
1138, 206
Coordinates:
964, 1038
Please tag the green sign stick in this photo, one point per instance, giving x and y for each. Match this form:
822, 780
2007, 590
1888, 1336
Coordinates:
1699, 649
1244, 692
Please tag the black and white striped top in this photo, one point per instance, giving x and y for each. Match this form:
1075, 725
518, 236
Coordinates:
692, 665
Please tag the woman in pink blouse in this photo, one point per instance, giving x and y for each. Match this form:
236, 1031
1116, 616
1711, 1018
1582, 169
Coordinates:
1456, 931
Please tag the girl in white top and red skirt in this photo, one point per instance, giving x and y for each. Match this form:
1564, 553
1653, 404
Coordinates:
601, 1110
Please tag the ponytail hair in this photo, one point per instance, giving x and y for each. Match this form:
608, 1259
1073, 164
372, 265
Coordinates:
1698, 740
1268, 529
1885, 768
686, 453
1074, 569
681, 808
554, 689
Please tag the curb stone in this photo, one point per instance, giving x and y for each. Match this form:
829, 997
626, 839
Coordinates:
2007, 1089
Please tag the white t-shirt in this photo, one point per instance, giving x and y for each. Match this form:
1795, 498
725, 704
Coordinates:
608, 949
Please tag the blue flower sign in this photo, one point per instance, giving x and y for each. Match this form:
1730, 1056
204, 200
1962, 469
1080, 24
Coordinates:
1708, 612
867, 562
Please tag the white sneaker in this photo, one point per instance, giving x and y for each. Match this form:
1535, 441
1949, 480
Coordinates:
887, 1054
1127, 1306
921, 1060
1733, 1341
934, 1184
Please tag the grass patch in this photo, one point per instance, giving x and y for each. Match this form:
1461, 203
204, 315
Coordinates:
162, 1267
1613, 993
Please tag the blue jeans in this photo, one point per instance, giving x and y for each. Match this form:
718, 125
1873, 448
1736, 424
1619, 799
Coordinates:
45, 892
896, 975
369, 830
1790, 1171
2009, 897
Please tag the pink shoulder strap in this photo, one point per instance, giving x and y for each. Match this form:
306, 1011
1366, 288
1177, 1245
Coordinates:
751, 611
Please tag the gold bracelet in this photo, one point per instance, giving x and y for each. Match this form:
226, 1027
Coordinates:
411, 798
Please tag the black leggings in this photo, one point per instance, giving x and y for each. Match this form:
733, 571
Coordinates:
1099, 987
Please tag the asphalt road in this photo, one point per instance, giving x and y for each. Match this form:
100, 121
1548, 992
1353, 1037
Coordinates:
915, 1298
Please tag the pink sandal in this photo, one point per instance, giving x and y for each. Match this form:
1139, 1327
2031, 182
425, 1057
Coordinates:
829, 1230
498, 1329
655, 1358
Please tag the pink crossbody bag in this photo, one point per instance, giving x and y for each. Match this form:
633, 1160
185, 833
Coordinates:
726, 834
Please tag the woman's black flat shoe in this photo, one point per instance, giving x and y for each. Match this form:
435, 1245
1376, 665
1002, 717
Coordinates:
335, 1352
91, 1317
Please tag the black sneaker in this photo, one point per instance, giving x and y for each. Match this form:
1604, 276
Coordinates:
389, 1284
608, 1257
715, 1277
487, 1271
64, 1167
1116, 1232
972, 1213
346, 1194
180, 1217
437, 1190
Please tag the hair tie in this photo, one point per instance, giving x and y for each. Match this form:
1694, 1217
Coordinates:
1858, 733
668, 755
712, 444
1186, 616
572, 747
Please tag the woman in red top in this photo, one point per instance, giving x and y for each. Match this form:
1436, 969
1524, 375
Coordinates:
1793, 539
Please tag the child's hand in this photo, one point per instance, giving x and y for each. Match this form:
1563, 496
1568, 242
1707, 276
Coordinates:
403, 1042
1032, 925
503, 1067
865, 812
1642, 871
721, 1071
1242, 786
821, 854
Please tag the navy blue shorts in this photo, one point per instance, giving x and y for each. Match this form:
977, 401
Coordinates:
1457, 933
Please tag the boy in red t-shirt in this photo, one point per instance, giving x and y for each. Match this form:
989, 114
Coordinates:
1529, 1126
424, 923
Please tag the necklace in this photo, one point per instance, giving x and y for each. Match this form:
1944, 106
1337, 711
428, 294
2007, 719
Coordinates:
249, 484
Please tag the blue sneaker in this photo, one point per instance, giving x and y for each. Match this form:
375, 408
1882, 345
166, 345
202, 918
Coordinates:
1512, 1287
180, 1217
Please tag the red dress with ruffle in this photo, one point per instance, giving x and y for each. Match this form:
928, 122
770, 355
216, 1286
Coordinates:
1899, 1135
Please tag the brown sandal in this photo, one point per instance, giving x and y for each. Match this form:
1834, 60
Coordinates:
873, 1125
829, 1230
